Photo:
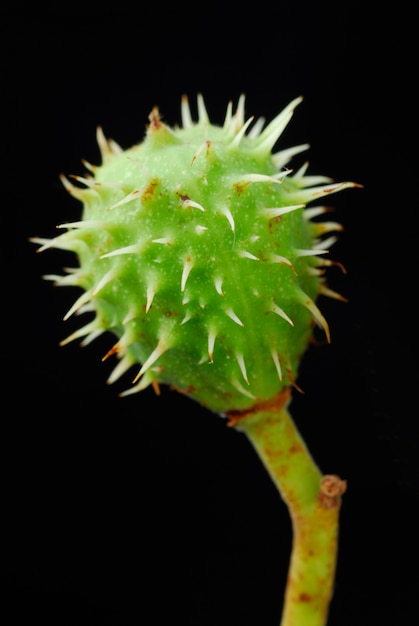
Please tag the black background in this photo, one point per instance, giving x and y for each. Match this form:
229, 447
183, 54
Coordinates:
149, 510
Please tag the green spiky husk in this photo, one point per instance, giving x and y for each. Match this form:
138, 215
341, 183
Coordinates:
196, 250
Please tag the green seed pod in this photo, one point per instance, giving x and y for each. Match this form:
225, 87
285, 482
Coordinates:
196, 250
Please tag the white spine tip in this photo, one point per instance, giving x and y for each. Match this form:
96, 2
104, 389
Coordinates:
271, 133
123, 366
128, 198
275, 358
187, 317
187, 266
156, 354
151, 292
242, 390
230, 313
242, 365
133, 249
227, 213
218, 286
202, 111
107, 278
248, 255
212, 334
85, 297
275, 212
239, 136
164, 241
187, 202
316, 313
186, 112
276, 309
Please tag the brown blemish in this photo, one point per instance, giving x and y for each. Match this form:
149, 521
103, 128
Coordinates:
332, 488
148, 192
272, 221
295, 448
240, 187
155, 120
304, 597
184, 392
274, 404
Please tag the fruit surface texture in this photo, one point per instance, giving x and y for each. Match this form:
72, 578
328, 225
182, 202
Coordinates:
203, 254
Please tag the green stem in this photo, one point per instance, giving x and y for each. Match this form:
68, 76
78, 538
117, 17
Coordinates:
313, 501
